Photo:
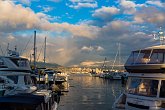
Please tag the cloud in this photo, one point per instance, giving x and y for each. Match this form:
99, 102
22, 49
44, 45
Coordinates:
26, 19
22, 18
105, 12
157, 3
129, 7
77, 4
99, 48
83, 5
56, 1
47, 9
75, 1
146, 15
85, 48
26, 2
92, 48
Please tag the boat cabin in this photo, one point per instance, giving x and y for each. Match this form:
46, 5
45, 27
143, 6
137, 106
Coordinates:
145, 91
14, 63
148, 60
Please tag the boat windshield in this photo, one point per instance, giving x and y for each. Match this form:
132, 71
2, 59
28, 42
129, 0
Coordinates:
146, 57
20, 62
144, 87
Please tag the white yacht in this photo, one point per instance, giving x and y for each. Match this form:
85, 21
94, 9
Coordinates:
61, 77
146, 80
17, 88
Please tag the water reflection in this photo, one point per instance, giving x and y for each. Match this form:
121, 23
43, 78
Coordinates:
90, 93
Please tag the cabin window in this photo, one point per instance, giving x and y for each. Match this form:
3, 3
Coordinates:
145, 87
20, 62
13, 78
156, 58
146, 57
162, 89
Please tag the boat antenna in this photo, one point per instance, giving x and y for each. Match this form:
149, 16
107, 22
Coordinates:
160, 36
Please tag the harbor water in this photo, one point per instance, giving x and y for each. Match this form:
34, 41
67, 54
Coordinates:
90, 93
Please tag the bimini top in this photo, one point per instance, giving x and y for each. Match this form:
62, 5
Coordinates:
147, 60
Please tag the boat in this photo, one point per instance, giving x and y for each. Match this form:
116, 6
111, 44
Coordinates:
18, 89
116, 74
61, 77
145, 87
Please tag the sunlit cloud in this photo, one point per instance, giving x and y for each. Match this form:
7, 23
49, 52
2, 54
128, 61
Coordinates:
129, 7
105, 12
84, 5
77, 4
56, 1
157, 3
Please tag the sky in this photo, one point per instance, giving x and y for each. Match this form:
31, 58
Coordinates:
80, 32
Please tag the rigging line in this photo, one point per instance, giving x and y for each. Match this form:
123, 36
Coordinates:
40, 52
27, 53
26, 45
115, 59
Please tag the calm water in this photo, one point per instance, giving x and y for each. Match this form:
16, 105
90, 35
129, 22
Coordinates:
90, 93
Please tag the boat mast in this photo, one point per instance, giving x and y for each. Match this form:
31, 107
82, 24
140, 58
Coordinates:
34, 54
7, 50
45, 53
104, 66
119, 56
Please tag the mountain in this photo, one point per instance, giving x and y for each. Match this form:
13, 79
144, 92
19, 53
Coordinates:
48, 65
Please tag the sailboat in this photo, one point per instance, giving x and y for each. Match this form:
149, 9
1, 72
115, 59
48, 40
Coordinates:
116, 74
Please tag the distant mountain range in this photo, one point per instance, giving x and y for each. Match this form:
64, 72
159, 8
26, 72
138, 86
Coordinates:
48, 65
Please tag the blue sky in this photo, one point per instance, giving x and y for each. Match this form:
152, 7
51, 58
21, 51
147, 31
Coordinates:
80, 32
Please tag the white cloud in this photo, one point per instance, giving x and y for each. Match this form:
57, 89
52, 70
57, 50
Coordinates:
105, 12
30, 20
84, 5
92, 48
85, 48
129, 7
16, 17
47, 9
55, 0
27, 2
74, 1
157, 3
146, 15
99, 48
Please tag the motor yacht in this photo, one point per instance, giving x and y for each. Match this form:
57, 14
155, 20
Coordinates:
145, 87
17, 88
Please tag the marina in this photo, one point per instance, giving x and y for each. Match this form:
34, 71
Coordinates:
90, 93
82, 55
